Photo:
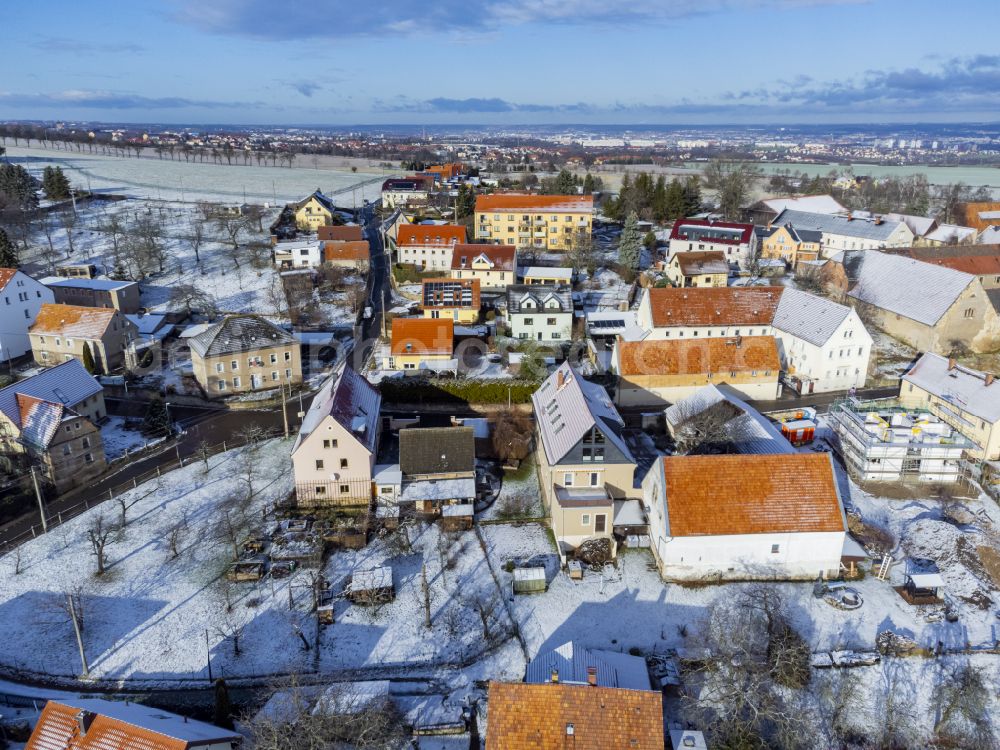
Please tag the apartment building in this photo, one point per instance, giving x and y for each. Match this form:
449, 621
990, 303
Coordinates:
314, 211
736, 242
21, 298
543, 222
842, 232
428, 247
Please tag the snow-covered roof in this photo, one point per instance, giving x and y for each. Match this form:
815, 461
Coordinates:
567, 406
682, 739
912, 288
571, 661
100, 285
353, 697
67, 384
962, 386
613, 323
374, 578
239, 333
989, 236
535, 298
951, 233
927, 580
808, 317
148, 324
546, 272
352, 401
387, 474
437, 490
820, 204
628, 513
863, 228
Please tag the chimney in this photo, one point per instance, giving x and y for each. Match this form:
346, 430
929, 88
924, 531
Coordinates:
560, 379
554, 677
951, 363
592, 676
988, 380
83, 721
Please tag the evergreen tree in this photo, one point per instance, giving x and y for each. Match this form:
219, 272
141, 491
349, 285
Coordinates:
675, 202
660, 199
223, 708
466, 201
156, 421
692, 196
60, 185
8, 253
630, 245
565, 183
588, 184
18, 187
88, 359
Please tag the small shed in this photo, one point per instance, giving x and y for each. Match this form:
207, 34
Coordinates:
530, 580
922, 588
246, 570
373, 586
457, 517
575, 568
799, 431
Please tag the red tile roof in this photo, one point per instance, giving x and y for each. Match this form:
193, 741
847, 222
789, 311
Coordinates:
751, 494
978, 260
503, 257
353, 251
529, 202
718, 306
73, 320
685, 229
351, 233
430, 234
426, 336
6, 274
553, 716
699, 356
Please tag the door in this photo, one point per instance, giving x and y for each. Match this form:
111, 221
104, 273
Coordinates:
600, 523
255, 381
539, 335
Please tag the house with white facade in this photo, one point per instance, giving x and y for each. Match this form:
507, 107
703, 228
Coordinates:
822, 345
494, 265
731, 517
298, 253
736, 242
849, 231
428, 246
21, 297
540, 312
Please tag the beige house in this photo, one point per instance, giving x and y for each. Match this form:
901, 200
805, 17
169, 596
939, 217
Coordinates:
313, 212
121, 295
967, 399
244, 353
543, 222
494, 265
51, 418
698, 269
584, 464
334, 455
61, 332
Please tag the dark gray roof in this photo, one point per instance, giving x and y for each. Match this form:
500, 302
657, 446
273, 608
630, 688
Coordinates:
67, 384
239, 333
436, 450
539, 295
351, 400
862, 228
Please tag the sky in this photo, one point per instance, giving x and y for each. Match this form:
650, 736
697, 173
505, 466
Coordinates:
644, 62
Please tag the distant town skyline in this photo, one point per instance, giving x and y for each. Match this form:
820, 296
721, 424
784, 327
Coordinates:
520, 62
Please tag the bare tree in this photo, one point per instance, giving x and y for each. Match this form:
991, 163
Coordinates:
67, 220
233, 227
232, 627
100, 533
963, 698
48, 253
703, 431
196, 235
511, 437
176, 535
192, 299
233, 524
123, 507
426, 591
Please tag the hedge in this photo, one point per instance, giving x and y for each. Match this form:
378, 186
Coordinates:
456, 391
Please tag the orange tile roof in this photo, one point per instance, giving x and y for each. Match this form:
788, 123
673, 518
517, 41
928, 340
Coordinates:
540, 717
448, 293
697, 356
356, 251
529, 202
502, 256
330, 233
6, 274
430, 234
751, 494
73, 320
717, 306
427, 336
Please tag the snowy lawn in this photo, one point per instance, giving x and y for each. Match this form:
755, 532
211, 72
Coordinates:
519, 494
119, 440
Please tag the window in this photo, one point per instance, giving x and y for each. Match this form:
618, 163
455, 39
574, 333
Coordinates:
320, 489
219, 367
600, 523
288, 374
288, 356
585, 519
329, 443
970, 312
594, 477
588, 454
234, 365
221, 385
343, 463
775, 549
319, 464
85, 442
26, 314
529, 321
88, 457
236, 382
345, 489
274, 374
568, 479
274, 358
550, 321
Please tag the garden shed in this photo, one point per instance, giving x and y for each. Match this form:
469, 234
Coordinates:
530, 580
373, 586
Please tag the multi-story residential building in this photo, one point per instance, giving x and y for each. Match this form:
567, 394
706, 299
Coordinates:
52, 418
968, 400
333, 458
121, 295
544, 222
63, 332
457, 299
884, 442
445, 172
540, 312
928, 306
314, 211
421, 344
428, 246
557, 276
21, 298
698, 269
736, 242
655, 372
494, 265
842, 232
823, 346
405, 191
244, 353
584, 463
790, 244
298, 253
730, 517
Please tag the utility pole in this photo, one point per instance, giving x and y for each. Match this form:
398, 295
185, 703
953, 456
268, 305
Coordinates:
284, 409
208, 657
41, 503
79, 637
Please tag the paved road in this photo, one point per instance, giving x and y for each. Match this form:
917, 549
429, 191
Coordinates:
380, 294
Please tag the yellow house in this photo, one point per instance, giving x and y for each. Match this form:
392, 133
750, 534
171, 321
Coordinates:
543, 222
421, 344
791, 245
314, 212
456, 299
698, 269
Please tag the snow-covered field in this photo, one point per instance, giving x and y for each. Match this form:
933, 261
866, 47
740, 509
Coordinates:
178, 180
118, 440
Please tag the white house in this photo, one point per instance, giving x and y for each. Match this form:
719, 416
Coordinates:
730, 517
849, 231
823, 346
21, 297
736, 242
428, 246
540, 312
298, 254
